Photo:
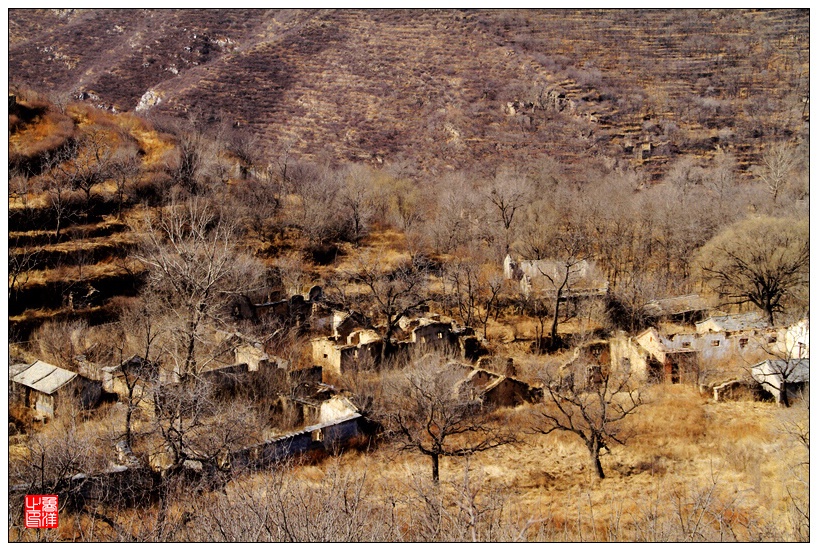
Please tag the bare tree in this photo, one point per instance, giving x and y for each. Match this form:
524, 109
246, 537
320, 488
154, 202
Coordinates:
54, 455
58, 190
406, 203
473, 286
140, 332
461, 277
125, 166
357, 201
570, 249
796, 426
590, 403
196, 268
762, 260
23, 259
429, 409
259, 200
777, 163
508, 194
85, 162
391, 294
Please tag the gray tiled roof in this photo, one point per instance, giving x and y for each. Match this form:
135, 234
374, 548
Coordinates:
44, 377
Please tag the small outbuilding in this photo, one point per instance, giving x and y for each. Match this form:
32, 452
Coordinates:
46, 389
783, 376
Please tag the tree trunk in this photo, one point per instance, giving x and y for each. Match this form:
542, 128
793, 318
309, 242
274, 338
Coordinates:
784, 400
555, 322
594, 448
435, 467
128, 416
769, 312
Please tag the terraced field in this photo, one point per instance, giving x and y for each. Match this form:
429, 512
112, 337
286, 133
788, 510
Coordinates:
386, 86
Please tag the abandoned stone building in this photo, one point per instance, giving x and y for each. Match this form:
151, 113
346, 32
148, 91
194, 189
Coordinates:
495, 390
339, 424
430, 332
680, 353
731, 323
297, 310
350, 349
777, 376
135, 371
795, 343
686, 309
586, 281
670, 358
335, 356
47, 389
253, 355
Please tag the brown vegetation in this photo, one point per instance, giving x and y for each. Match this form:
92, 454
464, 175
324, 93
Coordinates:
388, 161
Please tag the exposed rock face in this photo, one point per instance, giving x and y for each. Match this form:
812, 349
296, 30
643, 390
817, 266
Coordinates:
149, 99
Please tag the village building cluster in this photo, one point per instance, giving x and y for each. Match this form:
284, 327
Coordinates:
687, 343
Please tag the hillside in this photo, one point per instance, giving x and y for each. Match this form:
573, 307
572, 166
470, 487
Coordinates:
432, 88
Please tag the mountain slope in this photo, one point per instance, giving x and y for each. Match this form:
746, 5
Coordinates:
436, 88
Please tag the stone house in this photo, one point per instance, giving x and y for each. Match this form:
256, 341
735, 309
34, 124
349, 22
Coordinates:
139, 371
727, 337
795, 341
650, 357
339, 425
336, 356
682, 355
586, 280
680, 309
495, 390
731, 323
254, 356
672, 358
430, 332
47, 389
773, 374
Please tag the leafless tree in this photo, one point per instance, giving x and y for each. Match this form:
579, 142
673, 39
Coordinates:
777, 163
357, 199
590, 403
391, 294
23, 258
260, 201
508, 194
462, 281
318, 214
52, 457
796, 426
571, 251
458, 214
763, 261
58, 190
85, 162
140, 330
196, 268
125, 166
406, 203
429, 409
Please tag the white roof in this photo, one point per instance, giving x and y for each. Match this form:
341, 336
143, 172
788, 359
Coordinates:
797, 370
44, 377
